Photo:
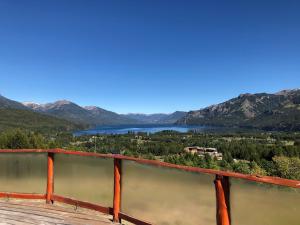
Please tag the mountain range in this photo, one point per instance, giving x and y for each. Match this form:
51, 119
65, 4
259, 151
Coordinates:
156, 118
90, 115
278, 111
66, 115
95, 116
15, 115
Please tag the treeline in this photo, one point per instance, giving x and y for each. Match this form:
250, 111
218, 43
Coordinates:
274, 154
17, 139
22, 139
26, 119
280, 166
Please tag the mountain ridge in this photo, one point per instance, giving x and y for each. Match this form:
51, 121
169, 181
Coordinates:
157, 118
88, 115
94, 115
278, 111
15, 115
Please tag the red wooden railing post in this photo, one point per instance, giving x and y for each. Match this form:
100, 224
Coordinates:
222, 199
50, 177
117, 189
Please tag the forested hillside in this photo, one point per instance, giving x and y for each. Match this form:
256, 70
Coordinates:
25, 119
279, 111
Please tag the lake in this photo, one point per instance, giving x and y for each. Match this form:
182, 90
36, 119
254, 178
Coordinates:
146, 128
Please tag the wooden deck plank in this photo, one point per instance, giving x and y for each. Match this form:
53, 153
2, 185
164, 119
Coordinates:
20, 212
48, 207
50, 212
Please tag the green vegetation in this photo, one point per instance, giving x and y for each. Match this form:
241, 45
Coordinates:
21, 139
17, 139
280, 111
273, 154
26, 119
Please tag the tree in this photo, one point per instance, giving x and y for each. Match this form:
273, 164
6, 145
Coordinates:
287, 167
241, 167
16, 139
256, 169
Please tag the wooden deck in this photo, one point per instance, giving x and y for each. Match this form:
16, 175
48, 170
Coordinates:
17, 212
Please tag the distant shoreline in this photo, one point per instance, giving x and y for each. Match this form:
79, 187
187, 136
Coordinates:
155, 128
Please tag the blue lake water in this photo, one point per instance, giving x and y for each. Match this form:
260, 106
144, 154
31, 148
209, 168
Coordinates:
124, 129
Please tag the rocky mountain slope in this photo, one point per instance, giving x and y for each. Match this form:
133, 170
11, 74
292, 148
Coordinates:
156, 118
172, 118
107, 117
15, 115
90, 115
279, 111
93, 116
146, 118
6, 103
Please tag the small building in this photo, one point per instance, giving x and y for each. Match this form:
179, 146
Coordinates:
201, 151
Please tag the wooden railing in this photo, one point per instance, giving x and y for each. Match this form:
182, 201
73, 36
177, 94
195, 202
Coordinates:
222, 186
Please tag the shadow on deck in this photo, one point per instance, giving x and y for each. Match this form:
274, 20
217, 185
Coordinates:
17, 212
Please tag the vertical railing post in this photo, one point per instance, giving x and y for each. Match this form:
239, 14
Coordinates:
117, 189
222, 187
50, 177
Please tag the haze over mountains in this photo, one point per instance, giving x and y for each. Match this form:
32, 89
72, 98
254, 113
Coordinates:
279, 111
93, 115
66, 115
70, 111
156, 118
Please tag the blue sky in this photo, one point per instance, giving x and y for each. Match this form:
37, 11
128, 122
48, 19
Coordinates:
147, 56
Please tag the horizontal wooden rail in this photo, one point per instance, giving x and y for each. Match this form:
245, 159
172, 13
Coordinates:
83, 204
256, 178
133, 220
222, 185
22, 195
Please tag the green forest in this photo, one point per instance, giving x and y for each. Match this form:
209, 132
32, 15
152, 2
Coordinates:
11, 118
268, 153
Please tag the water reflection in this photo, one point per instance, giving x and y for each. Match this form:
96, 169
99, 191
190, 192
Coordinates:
124, 129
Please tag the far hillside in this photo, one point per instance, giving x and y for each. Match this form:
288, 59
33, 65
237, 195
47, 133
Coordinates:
15, 115
279, 111
25, 119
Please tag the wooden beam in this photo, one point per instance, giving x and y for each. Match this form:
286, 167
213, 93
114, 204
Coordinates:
255, 178
82, 204
222, 200
117, 189
226, 187
132, 219
50, 177
22, 195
